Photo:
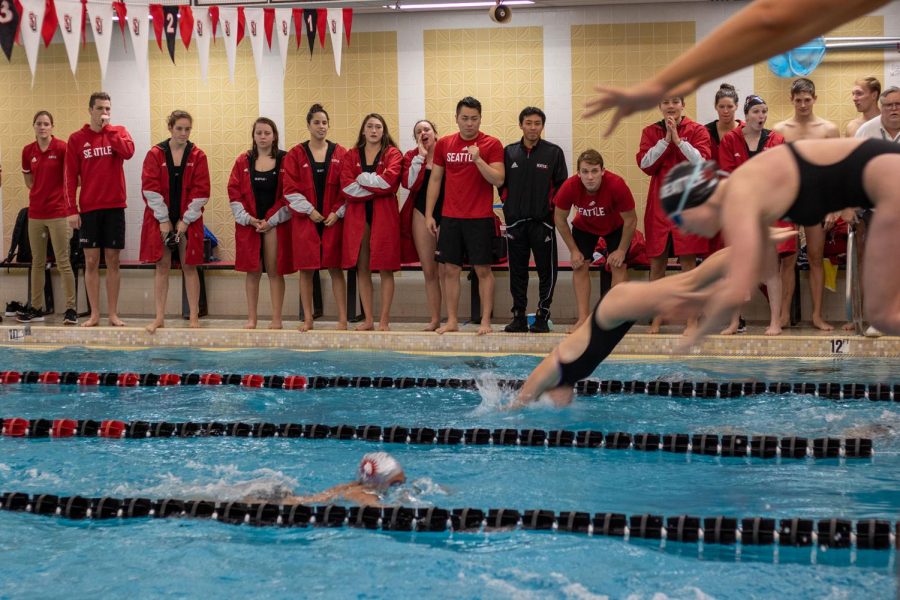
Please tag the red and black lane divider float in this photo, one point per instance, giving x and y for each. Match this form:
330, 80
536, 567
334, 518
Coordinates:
587, 387
873, 534
759, 446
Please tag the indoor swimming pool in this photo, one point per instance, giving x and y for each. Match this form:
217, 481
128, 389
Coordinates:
147, 557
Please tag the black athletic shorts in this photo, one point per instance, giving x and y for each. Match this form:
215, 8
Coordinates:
466, 241
586, 242
103, 228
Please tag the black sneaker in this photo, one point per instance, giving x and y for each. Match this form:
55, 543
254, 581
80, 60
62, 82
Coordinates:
519, 324
13, 308
30, 315
540, 325
71, 317
742, 325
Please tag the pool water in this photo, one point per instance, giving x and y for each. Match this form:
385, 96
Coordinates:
51, 557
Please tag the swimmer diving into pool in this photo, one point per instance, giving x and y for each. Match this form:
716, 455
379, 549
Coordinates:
376, 474
578, 355
800, 182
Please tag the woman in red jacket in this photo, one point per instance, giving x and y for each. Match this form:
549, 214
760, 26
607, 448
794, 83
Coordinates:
665, 144
370, 176
312, 188
738, 147
417, 165
175, 187
262, 233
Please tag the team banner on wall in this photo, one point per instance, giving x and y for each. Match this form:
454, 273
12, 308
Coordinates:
283, 31
170, 28
335, 30
30, 32
48, 28
100, 14
9, 24
69, 13
139, 28
254, 30
122, 15
310, 20
228, 17
348, 22
203, 33
186, 25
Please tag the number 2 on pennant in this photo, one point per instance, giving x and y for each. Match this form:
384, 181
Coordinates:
170, 23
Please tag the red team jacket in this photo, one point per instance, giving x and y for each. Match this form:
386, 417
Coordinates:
733, 152
381, 190
247, 240
310, 252
46, 198
416, 172
657, 225
97, 158
194, 196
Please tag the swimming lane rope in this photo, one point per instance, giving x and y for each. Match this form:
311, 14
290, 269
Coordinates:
586, 387
760, 446
872, 534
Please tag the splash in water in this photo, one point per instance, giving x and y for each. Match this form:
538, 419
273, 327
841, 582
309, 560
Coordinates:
231, 485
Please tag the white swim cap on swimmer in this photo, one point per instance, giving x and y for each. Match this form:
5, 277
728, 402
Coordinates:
378, 469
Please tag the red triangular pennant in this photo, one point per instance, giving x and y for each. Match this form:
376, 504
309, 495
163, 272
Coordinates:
84, 18
297, 13
269, 24
214, 19
51, 22
122, 14
322, 24
348, 22
242, 20
156, 14
186, 24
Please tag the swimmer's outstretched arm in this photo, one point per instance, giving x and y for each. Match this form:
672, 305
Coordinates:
759, 31
352, 492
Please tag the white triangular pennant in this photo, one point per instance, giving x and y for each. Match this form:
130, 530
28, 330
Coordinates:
203, 35
30, 30
228, 19
255, 31
68, 13
100, 15
336, 31
283, 31
139, 26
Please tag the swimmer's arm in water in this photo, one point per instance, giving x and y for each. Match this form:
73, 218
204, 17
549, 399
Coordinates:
759, 31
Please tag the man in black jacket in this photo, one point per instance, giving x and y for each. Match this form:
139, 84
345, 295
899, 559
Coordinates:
535, 169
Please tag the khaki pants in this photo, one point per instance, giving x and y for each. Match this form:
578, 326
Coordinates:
58, 230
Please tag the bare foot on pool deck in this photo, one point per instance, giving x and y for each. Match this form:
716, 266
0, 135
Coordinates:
250, 325
431, 326
773, 330
276, 325
484, 329
447, 328
818, 323
655, 325
194, 323
115, 321
849, 327
384, 327
341, 326
305, 326
92, 321
156, 324
365, 326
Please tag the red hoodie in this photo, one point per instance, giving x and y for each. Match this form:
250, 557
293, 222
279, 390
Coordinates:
94, 160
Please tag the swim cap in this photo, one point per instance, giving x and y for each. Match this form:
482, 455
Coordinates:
688, 185
752, 101
378, 469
